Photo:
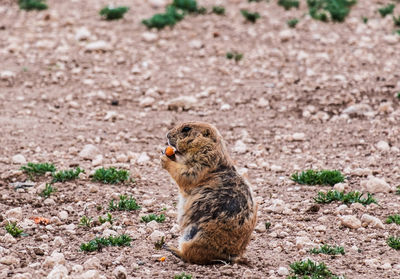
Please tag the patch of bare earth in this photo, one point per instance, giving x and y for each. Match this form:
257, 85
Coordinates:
335, 84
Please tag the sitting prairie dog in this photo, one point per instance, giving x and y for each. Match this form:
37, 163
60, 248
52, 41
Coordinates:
216, 210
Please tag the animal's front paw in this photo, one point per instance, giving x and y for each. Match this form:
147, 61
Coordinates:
164, 161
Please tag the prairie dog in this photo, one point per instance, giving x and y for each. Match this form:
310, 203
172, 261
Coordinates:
216, 210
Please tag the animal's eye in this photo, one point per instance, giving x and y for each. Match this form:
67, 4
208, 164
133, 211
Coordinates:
186, 129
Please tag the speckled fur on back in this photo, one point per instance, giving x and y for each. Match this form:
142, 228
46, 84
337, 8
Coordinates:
216, 210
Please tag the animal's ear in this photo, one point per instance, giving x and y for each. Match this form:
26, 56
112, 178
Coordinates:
208, 134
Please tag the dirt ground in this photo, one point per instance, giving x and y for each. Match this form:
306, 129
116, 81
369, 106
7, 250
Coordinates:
320, 96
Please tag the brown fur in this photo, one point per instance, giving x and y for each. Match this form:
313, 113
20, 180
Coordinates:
217, 213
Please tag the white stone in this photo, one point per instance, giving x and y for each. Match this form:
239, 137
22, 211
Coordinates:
303, 242
89, 152
122, 158
58, 241
149, 37
14, 214
383, 146
111, 115
58, 272
391, 39
82, 33
9, 260
7, 75
63, 215
153, 225
147, 102
25, 275
143, 158
375, 185
158, 3
108, 232
97, 161
196, 44
386, 265
92, 263
299, 136
320, 228
260, 228
225, 107
286, 35
54, 259
340, 187
156, 236
372, 221
283, 271
276, 168
90, 274
19, 159
49, 201
350, 221
98, 46
240, 147
120, 272
358, 110
278, 206
8, 238
182, 102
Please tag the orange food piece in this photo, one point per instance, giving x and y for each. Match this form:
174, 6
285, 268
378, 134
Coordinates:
169, 151
41, 220
162, 259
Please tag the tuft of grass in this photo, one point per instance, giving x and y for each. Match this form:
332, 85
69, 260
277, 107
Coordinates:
66, 175
349, 198
151, 217
30, 5
310, 270
85, 221
336, 10
38, 168
186, 5
252, 17
123, 204
183, 275
108, 219
288, 4
386, 10
48, 190
98, 243
365, 19
234, 55
329, 250
13, 229
323, 177
113, 13
292, 22
393, 219
169, 18
396, 21
267, 225
159, 244
110, 175
219, 10
393, 242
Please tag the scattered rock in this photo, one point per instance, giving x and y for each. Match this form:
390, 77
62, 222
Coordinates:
375, 185
182, 103
54, 259
120, 272
19, 159
63, 215
286, 35
14, 214
147, 102
58, 272
240, 147
358, 110
304, 242
383, 146
92, 263
143, 158
98, 46
90, 274
299, 136
156, 236
372, 221
82, 33
196, 44
277, 206
89, 152
8, 76
158, 3
283, 271
340, 187
350, 221
149, 37
9, 260
260, 228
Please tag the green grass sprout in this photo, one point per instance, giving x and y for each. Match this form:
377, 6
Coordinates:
252, 17
66, 175
38, 168
30, 5
183, 275
323, 177
13, 229
110, 175
85, 221
108, 219
329, 250
349, 198
113, 13
124, 204
288, 4
393, 242
393, 219
47, 191
336, 10
310, 270
234, 55
386, 10
151, 217
292, 22
98, 243
219, 10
